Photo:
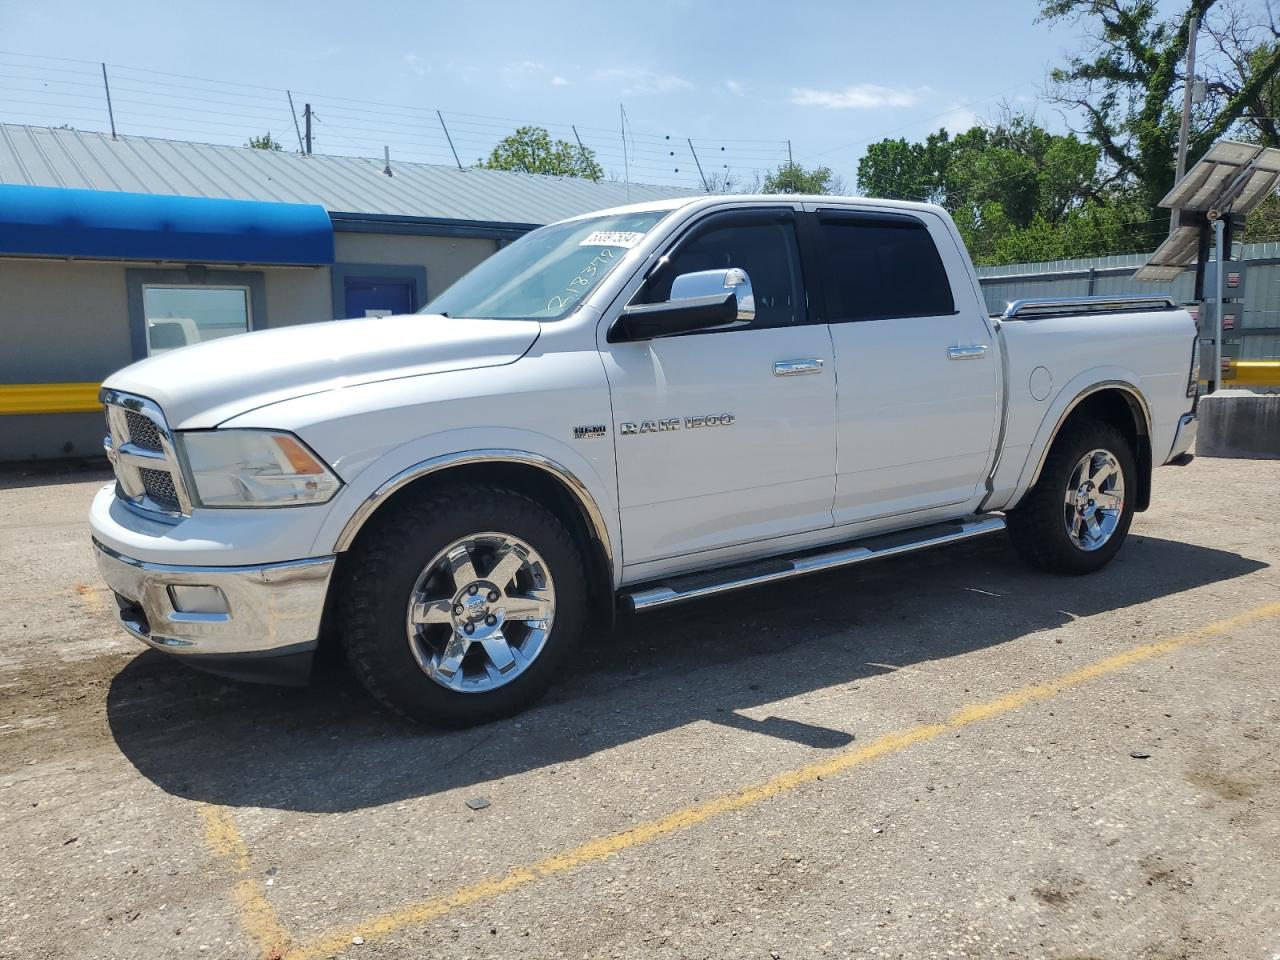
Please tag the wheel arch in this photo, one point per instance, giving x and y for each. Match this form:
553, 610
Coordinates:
1122, 405
539, 477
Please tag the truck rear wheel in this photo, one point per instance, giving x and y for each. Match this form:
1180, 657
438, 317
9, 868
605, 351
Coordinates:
1076, 517
460, 607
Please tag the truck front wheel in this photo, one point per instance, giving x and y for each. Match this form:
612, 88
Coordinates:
1076, 517
460, 607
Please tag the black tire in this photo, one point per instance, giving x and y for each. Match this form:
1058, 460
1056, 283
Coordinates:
379, 577
1037, 526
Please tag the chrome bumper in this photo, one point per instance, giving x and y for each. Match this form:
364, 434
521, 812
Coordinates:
1184, 436
240, 612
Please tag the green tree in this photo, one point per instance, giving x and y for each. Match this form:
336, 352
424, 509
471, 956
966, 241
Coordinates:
264, 142
1127, 87
531, 150
897, 169
793, 178
995, 180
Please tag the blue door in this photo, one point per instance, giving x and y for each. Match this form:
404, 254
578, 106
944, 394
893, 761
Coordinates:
371, 297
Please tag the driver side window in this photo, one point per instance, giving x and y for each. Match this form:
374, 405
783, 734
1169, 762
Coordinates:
762, 245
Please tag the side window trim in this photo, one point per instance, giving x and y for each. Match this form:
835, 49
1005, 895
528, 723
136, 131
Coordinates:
744, 216
886, 218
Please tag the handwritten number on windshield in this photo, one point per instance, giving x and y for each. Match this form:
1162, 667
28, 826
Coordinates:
581, 283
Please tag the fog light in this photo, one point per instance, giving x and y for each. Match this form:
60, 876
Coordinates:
197, 599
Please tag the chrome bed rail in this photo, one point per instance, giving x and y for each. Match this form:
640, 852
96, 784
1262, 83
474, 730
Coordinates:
1038, 307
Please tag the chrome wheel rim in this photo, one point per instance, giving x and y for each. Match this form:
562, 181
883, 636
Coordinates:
480, 612
1095, 500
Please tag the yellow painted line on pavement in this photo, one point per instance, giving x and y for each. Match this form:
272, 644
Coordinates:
263, 926
257, 915
49, 398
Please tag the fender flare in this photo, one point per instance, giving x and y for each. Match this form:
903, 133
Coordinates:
1124, 386
580, 492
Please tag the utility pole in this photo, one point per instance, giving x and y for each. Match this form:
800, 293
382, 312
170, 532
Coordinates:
440, 117
626, 165
790, 162
1219, 225
306, 118
581, 149
110, 113
1184, 128
699, 164
294, 113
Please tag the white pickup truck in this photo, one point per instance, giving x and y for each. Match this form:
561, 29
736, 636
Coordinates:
627, 409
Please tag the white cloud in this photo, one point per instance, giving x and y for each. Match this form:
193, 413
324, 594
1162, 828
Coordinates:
634, 81
734, 87
521, 73
958, 118
415, 64
862, 96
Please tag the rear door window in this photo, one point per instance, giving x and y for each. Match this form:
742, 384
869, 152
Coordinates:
877, 266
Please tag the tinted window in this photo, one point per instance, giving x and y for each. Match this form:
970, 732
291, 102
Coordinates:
178, 316
764, 247
880, 267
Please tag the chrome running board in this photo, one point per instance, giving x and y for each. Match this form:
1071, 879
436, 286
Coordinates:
652, 595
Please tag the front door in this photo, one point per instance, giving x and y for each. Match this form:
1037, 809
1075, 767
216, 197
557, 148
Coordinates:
726, 436
919, 404
374, 297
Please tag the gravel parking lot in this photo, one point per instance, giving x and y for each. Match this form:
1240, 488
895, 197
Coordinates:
944, 755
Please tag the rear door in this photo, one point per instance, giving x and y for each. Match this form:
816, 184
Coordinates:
727, 436
917, 405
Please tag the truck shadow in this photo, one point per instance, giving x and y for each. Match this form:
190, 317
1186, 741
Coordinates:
329, 748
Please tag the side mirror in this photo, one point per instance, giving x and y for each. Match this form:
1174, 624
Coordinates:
699, 301
706, 283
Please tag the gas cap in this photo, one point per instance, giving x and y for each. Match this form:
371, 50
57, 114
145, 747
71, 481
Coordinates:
1041, 383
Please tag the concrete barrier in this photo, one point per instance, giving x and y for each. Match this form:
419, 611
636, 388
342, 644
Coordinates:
1239, 423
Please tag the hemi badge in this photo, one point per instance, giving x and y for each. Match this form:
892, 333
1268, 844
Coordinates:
589, 433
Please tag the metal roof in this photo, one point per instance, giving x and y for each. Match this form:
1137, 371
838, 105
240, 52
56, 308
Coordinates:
55, 157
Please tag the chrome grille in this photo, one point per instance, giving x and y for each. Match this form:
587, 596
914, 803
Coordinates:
143, 431
140, 447
158, 485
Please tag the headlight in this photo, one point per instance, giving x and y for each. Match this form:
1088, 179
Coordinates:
254, 468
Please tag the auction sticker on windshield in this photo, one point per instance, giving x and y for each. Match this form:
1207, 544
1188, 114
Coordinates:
612, 238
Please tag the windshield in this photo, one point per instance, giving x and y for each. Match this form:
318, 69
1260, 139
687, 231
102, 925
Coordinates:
546, 273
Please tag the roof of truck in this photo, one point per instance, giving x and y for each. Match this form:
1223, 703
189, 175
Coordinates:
676, 203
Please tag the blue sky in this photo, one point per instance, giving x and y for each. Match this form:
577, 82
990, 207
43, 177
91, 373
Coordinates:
739, 79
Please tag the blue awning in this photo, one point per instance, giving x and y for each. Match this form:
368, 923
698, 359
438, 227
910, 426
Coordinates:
60, 222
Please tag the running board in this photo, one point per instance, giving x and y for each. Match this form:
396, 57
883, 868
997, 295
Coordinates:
693, 586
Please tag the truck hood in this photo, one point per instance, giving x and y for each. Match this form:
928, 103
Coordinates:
205, 384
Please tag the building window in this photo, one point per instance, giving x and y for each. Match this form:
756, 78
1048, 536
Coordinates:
174, 307
180, 316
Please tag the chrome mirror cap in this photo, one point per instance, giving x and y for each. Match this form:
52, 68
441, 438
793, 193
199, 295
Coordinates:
707, 283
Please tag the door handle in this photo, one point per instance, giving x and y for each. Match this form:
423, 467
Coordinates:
974, 351
796, 368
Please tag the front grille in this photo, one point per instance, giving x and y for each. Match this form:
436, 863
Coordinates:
143, 431
158, 485
146, 478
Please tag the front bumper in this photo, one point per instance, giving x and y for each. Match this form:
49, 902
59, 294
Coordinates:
255, 623
1184, 436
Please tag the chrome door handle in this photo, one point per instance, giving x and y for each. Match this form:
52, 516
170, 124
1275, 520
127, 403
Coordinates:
974, 351
796, 368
